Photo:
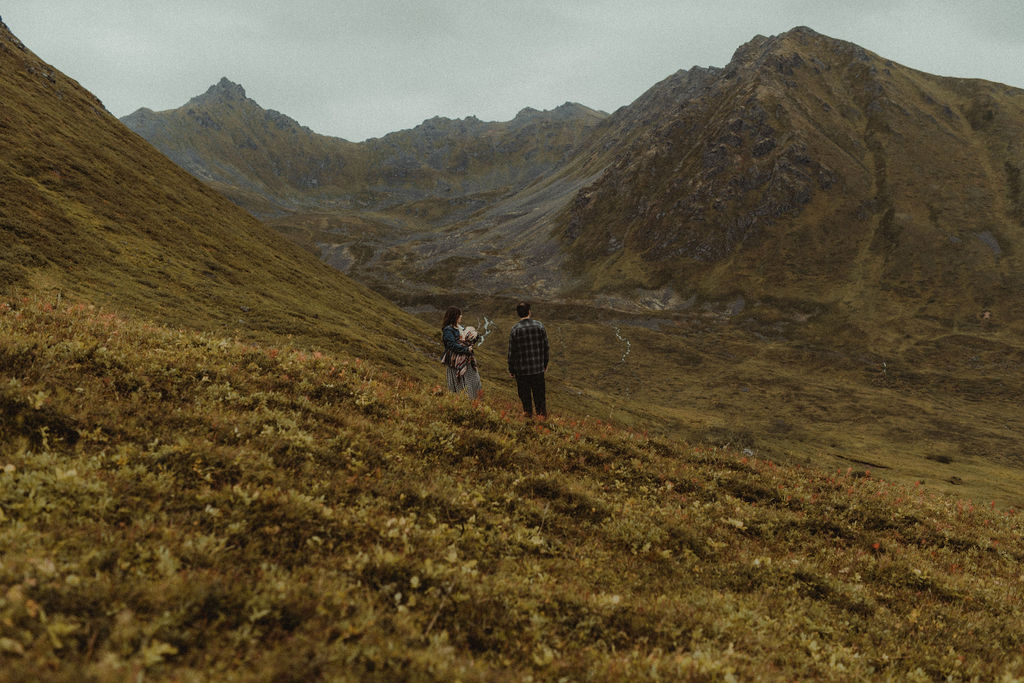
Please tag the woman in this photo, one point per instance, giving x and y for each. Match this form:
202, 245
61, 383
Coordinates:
458, 356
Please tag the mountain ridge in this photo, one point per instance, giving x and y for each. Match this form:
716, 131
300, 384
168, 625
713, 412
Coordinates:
224, 137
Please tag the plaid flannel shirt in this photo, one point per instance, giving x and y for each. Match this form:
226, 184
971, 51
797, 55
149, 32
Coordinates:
527, 348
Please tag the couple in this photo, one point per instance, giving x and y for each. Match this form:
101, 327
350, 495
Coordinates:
528, 354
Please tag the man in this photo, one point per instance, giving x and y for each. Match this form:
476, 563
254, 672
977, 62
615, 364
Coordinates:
528, 360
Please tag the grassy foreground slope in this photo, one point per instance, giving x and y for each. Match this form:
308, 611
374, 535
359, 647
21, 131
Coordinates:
181, 505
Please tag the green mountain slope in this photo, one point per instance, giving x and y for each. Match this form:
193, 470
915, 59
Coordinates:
89, 209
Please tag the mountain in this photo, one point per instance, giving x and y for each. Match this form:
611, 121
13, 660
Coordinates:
807, 169
812, 169
353, 204
89, 210
224, 138
270, 164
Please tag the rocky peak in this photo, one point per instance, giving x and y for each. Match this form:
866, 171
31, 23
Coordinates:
141, 118
563, 112
802, 32
442, 125
571, 109
224, 90
746, 52
786, 50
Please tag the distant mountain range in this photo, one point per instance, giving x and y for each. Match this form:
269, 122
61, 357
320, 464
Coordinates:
807, 169
227, 139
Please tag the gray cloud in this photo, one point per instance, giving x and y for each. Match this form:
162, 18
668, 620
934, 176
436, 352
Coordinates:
356, 69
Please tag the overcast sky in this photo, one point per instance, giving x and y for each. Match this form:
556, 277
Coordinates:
363, 68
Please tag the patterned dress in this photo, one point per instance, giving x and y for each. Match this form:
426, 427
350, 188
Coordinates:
468, 383
462, 376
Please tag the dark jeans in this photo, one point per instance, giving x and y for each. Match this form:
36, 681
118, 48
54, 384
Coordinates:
531, 393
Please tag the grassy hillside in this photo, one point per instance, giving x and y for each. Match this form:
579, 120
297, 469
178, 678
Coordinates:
181, 505
89, 209
940, 406
943, 408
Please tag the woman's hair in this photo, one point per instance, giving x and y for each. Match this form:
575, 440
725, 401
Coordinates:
451, 316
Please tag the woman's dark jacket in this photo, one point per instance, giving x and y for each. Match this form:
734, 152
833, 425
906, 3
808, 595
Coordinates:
452, 344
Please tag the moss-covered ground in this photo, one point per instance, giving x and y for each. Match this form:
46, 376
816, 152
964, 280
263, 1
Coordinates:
177, 505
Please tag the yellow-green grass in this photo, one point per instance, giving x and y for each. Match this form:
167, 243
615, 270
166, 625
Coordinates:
936, 408
183, 505
944, 410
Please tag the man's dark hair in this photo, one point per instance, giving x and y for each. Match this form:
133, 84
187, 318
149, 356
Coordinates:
523, 309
